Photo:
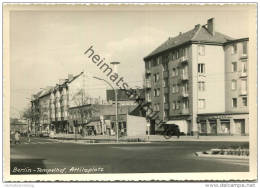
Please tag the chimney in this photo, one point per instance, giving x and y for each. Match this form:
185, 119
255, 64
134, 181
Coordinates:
180, 33
61, 81
211, 26
70, 76
197, 26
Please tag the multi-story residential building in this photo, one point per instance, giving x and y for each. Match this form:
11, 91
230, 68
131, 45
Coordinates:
51, 105
198, 80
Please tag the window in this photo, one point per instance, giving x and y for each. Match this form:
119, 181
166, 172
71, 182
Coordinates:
177, 54
243, 68
174, 89
243, 86
244, 101
185, 104
177, 88
148, 65
201, 68
234, 85
177, 71
201, 50
156, 77
201, 103
185, 52
234, 49
245, 47
158, 60
178, 105
201, 86
234, 102
165, 83
174, 105
173, 72
185, 88
234, 66
148, 97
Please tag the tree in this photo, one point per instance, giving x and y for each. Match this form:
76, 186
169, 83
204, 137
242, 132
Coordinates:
84, 108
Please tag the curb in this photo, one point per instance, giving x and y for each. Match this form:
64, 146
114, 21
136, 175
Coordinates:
103, 143
200, 154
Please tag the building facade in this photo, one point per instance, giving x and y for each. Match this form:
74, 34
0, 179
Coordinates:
198, 80
51, 105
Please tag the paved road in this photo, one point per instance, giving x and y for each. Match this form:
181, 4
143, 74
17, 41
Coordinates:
118, 158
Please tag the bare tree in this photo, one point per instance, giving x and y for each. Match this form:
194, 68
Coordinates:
84, 107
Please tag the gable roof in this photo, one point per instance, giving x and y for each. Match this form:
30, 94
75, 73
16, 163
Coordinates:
197, 34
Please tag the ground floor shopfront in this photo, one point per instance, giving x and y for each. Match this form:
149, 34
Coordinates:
212, 124
223, 124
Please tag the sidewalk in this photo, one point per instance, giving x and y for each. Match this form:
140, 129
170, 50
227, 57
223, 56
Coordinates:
154, 138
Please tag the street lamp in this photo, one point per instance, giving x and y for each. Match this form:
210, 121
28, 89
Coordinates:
115, 64
116, 100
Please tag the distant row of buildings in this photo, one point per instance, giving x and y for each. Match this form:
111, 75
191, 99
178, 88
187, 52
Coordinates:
67, 105
199, 81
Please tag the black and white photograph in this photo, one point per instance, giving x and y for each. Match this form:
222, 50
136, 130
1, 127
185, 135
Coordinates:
161, 92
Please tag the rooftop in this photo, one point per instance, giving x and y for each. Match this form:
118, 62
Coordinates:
199, 34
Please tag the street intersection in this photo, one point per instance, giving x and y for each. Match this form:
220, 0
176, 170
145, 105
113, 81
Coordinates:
159, 157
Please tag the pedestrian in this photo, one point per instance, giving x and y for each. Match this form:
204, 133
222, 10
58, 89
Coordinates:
17, 137
28, 137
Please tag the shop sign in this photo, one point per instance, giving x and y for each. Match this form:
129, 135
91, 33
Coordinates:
215, 117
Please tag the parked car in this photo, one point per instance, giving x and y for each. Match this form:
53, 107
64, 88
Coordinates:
171, 130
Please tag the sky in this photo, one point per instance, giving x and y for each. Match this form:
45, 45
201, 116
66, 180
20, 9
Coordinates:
46, 45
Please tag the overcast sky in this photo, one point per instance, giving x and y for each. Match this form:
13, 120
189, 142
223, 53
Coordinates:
48, 45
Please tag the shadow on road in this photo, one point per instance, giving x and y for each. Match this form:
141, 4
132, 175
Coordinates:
27, 166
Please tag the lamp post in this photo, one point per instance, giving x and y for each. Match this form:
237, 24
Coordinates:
115, 97
115, 64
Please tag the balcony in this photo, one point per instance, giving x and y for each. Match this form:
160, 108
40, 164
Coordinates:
148, 99
148, 84
165, 74
243, 56
243, 74
185, 111
183, 59
184, 94
184, 76
147, 71
243, 92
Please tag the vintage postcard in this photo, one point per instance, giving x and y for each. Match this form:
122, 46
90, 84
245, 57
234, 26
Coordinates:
137, 92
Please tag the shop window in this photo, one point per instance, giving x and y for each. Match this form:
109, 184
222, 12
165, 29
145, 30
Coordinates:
225, 127
203, 127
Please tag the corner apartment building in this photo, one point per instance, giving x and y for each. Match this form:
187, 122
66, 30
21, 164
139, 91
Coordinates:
51, 105
198, 80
